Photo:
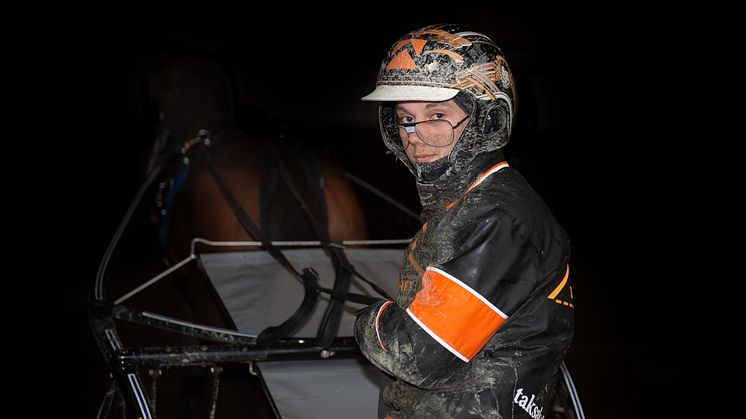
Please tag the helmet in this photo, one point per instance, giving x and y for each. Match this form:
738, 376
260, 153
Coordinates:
442, 62
436, 62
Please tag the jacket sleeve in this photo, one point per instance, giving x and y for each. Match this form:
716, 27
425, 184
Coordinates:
461, 305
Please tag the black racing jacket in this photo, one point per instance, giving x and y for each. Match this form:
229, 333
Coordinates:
484, 314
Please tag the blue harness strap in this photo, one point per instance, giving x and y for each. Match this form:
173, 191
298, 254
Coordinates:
170, 203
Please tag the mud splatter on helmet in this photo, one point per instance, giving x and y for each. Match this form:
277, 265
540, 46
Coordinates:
442, 62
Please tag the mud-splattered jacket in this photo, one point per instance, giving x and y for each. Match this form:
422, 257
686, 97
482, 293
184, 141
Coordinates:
484, 314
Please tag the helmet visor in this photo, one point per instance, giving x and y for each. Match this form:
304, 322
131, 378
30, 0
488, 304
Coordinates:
401, 93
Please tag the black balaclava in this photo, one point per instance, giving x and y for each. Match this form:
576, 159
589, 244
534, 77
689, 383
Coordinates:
444, 180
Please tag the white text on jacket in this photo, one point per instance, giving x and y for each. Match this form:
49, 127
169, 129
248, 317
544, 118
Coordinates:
528, 404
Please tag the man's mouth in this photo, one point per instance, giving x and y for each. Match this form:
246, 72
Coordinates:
424, 158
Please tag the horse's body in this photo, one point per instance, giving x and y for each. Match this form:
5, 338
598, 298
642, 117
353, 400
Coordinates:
194, 94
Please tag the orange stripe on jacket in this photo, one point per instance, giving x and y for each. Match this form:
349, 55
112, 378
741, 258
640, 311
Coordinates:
480, 179
455, 315
561, 284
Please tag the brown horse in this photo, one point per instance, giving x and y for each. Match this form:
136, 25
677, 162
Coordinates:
194, 94
286, 190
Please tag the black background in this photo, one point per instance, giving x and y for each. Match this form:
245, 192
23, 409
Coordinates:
611, 133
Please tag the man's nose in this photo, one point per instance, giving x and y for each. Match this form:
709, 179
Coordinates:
412, 135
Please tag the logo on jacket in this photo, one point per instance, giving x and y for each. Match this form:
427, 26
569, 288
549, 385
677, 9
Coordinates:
528, 405
562, 295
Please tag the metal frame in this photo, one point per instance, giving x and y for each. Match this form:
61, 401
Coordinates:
235, 347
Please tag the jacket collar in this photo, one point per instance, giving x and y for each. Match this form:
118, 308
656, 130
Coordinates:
438, 196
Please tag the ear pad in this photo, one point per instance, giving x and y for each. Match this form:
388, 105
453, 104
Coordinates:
495, 120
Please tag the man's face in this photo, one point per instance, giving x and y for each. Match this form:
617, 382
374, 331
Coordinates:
408, 112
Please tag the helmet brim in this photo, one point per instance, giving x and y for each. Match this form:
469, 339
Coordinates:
403, 93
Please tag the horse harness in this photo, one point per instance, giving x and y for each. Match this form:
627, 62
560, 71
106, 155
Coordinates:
277, 165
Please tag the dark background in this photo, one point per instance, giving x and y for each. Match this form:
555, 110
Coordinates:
610, 133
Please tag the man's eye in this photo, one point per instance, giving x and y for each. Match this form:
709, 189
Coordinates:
405, 119
439, 115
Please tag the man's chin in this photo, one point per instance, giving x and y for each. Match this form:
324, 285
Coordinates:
432, 170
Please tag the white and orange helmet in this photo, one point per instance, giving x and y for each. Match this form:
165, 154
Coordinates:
442, 62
